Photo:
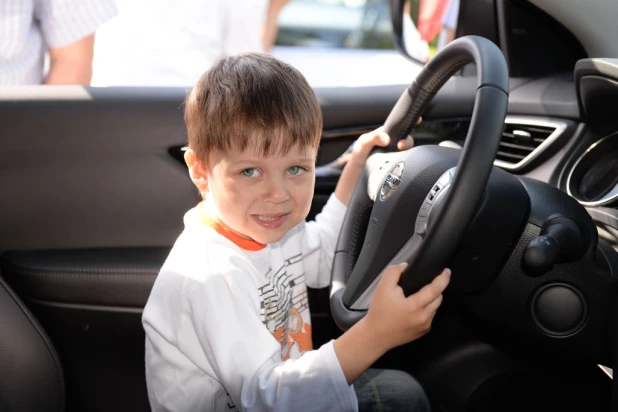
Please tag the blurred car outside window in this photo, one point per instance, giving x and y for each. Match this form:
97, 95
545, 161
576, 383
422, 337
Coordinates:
344, 43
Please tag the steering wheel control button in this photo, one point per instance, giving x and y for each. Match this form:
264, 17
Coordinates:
433, 193
559, 309
391, 182
440, 186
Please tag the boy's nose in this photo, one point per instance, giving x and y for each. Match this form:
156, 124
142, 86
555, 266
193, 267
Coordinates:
277, 191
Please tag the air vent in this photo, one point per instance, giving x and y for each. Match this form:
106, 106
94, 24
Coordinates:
518, 141
523, 139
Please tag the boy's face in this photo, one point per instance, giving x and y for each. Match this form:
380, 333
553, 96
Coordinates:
259, 197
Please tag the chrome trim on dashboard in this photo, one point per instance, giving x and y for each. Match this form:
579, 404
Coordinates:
610, 196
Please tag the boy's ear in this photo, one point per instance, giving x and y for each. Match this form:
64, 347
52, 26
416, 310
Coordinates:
197, 170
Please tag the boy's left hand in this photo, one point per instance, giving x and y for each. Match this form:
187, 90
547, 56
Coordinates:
355, 158
365, 143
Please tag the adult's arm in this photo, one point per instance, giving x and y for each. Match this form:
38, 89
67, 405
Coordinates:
71, 64
68, 28
271, 24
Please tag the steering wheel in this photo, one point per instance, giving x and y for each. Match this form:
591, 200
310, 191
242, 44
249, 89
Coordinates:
441, 187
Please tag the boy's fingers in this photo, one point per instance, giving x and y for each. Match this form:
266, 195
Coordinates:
367, 141
431, 291
383, 138
378, 138
405, 144
392, 274
435, 304
408, 142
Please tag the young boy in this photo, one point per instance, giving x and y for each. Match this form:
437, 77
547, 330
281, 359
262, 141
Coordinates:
227, 323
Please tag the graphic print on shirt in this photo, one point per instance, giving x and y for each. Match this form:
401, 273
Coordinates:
284, 308
230, 403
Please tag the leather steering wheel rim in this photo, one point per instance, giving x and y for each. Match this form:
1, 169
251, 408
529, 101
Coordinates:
429, 253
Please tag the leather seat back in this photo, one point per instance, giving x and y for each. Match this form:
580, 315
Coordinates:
30, 372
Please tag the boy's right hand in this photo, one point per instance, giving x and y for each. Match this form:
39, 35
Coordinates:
394, 319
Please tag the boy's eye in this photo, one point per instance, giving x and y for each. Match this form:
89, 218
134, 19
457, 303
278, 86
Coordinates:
295, 170
250, 172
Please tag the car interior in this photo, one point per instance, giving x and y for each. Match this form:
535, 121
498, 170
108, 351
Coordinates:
512, 183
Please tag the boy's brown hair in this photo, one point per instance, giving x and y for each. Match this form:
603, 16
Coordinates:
252, 99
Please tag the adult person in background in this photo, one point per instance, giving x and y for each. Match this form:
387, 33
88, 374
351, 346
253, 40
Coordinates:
269, 32
449, 24
430, 16
415, 45
172, 42
60, 30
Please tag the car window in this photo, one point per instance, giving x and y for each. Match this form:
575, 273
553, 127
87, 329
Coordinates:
334, 43
342, 43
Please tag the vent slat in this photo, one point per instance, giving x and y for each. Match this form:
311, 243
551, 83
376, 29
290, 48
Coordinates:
544, 130
511, 156
518, 146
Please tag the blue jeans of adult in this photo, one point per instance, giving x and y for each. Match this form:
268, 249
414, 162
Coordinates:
388, 390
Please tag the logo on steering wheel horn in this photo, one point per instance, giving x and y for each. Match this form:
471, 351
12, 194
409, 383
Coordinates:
391, 183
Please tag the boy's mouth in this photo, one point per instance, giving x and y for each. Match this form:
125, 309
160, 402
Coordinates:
270, 217
270, 220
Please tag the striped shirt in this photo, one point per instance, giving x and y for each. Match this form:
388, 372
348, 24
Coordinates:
29, 27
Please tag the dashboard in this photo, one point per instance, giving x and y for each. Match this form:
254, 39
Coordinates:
562, 130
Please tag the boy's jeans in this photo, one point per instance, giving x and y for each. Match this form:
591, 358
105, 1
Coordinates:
385, 390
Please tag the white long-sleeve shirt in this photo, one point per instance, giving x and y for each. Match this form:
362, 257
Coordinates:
228, 325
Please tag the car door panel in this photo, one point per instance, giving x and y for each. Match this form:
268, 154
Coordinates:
95, 192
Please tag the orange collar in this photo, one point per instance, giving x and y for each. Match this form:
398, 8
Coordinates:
241, 242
